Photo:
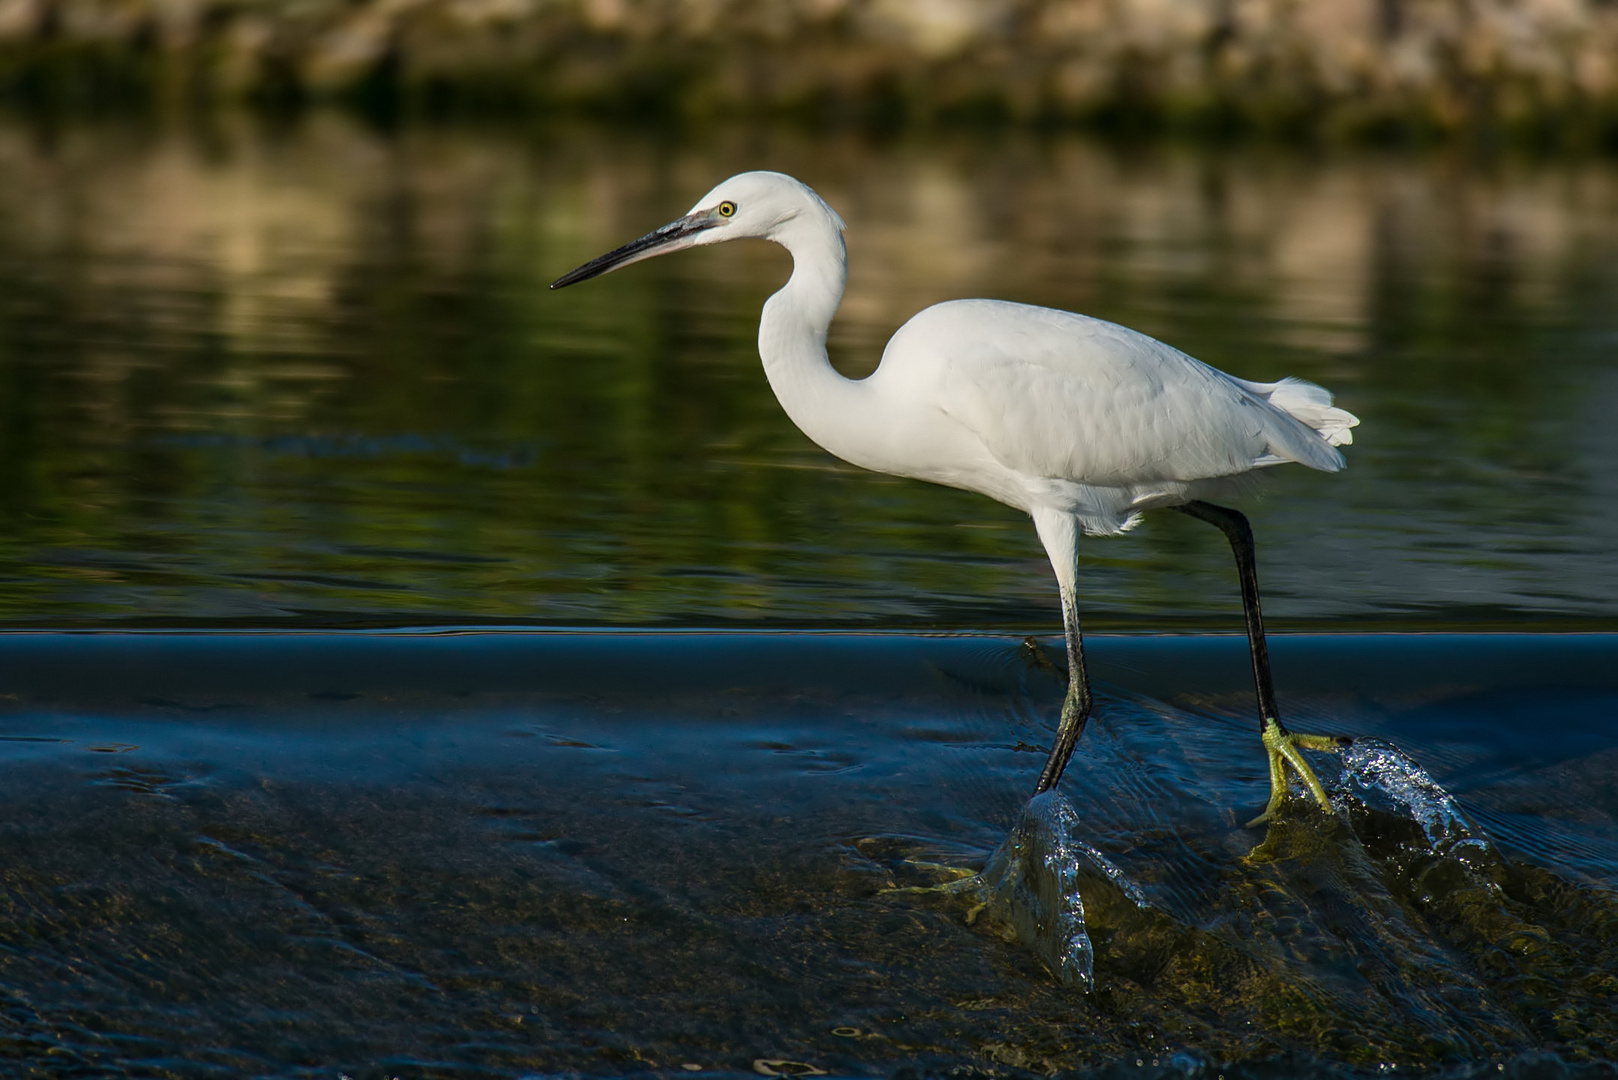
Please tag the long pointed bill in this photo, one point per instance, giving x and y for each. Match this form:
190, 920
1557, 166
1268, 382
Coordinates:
671, 237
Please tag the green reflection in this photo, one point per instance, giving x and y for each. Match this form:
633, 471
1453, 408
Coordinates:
314, 373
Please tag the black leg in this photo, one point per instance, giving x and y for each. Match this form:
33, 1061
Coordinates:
1234, 525
1281, 745
1075, 707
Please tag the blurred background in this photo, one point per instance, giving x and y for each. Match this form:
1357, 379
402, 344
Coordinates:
1538, 69
275, 344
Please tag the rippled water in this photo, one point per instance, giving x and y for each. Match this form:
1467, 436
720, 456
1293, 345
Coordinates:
260, 383
426, 854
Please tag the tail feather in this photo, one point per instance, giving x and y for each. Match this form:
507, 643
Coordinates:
1319, 430
1312, 404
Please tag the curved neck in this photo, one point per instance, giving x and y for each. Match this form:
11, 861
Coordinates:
792, 339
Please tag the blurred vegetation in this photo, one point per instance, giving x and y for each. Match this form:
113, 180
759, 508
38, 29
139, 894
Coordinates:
1536, 70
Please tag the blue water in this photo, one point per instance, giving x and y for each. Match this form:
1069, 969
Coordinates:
508, 854
264, 385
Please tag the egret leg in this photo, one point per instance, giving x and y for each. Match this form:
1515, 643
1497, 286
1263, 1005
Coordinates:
1076, 705
1281, 745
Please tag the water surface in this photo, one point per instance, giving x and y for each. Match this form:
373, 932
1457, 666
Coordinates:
312, 374
258, 382
615, 854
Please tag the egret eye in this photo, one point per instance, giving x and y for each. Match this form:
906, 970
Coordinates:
727, 208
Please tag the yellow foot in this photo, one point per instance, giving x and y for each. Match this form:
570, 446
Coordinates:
1282, 747
958, 882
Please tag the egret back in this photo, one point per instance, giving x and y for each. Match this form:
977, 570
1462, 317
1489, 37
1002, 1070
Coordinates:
1064, 396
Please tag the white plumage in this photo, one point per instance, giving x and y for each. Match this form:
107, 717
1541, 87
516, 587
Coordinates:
1089, 417
1082, 423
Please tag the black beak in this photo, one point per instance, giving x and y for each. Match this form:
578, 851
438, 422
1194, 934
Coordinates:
671, 237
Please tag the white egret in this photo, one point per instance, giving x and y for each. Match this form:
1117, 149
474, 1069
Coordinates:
1081, 423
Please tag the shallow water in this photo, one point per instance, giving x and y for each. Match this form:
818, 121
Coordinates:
506, 854
260, 382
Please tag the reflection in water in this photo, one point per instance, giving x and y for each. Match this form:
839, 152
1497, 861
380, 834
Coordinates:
184, 314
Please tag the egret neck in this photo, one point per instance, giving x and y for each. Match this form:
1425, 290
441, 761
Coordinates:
832, 410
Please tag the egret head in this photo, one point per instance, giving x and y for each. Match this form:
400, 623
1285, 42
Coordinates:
768, 205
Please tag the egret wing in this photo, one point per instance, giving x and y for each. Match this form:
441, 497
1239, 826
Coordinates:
1055, 394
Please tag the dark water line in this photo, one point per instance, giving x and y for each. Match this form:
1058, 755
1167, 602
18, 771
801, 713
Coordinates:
566, 660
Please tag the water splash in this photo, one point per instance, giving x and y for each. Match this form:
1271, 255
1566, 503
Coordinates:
1032, 888
1114, 873
1386, 779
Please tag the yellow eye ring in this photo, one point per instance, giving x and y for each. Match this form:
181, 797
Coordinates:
727, 208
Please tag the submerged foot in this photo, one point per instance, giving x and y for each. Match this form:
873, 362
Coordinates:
955, 881
1035, 656
1283, 748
